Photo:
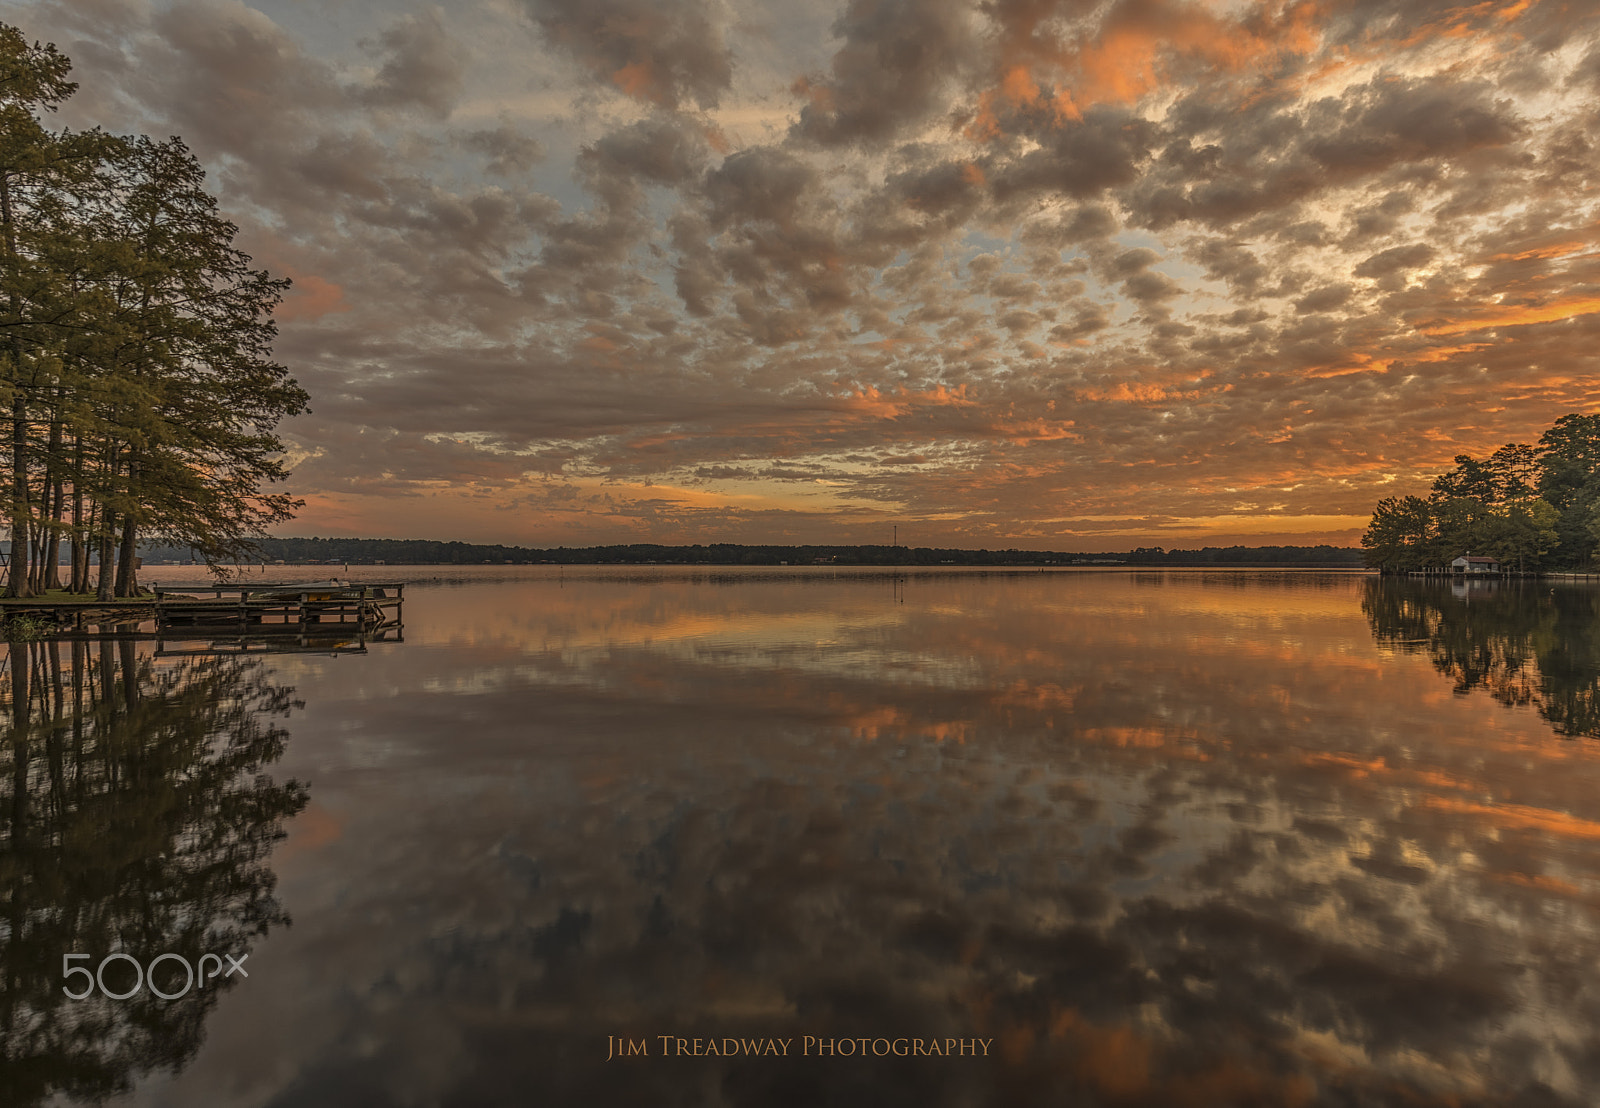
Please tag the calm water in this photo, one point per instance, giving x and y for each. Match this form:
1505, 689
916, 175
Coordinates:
1133, 838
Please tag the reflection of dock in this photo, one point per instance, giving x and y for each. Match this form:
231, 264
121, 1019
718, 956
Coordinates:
325, 617
79, 616
179, 644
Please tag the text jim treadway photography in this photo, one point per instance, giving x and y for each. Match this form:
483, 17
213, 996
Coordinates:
811, 1046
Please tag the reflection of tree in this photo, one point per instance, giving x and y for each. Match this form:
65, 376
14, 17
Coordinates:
136, 818
1520, 641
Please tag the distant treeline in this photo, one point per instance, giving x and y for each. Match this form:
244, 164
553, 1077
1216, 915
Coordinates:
1239, 555
424, 552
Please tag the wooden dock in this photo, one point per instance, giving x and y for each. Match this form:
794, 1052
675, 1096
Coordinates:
264, 609
258, 618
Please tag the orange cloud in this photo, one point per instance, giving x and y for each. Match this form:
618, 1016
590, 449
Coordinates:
1357, 362
1466, 20
881, 405
1544, 883
310, 297
1137, 392
1515, 315
638, 81
1022, 431
1557, 249
1130, 56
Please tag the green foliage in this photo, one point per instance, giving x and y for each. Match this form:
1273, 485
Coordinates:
1401, 534
1530, 507
23, 628
1522, 532
135, 348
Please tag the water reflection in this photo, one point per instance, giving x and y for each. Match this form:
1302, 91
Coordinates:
1523, 642
136, 818
1163, 839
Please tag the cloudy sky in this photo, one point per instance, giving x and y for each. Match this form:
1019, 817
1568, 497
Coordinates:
1047, 273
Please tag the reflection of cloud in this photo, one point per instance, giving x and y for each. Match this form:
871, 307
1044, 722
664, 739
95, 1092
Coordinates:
1198, 839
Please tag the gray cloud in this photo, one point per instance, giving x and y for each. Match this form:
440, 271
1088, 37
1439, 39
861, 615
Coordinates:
894, 70
422, 66
1323, 299
508, 151
1397, 119
1150, 262
665, 52
1396, 258
1078, 159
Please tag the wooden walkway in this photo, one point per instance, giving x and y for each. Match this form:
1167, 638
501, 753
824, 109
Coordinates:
277, 619
262, 609
237, 618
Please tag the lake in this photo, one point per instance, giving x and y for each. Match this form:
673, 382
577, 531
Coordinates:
652, 835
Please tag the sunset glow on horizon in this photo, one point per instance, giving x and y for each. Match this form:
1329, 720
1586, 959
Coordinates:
1035, 273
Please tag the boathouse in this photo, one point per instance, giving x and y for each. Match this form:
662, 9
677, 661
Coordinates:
1475, 563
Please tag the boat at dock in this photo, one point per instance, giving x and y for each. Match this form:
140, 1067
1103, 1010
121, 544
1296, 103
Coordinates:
332, 589
309, 590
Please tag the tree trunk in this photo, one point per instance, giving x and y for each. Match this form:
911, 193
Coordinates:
127, 571
75, 533
77, 549
107, 568
17, 581
91, 523
36, 549
56, 501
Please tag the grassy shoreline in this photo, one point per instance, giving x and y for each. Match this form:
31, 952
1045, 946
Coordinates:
60, 598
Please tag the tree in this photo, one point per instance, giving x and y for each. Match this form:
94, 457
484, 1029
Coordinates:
1569, 458
1515, 471
1569, 479
1529, 506
195, 395
1471, 479
1399, 534
1521, 533
135, 348
1462, 525
32, 79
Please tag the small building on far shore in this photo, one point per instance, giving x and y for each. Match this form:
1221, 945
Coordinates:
1475, 564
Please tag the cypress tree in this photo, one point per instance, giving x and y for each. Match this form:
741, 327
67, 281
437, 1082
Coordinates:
135, 348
